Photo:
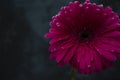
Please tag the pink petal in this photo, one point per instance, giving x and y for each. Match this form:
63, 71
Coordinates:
109, 47
82, 64
62, 38
73, 62
97, 61
106, 54
106, 63
61, 55
114, 34
111, 28
52, 35
61, 45
53, 55
80, 53
70, 54
61, 63
111, 42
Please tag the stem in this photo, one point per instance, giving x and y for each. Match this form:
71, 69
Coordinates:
73, 74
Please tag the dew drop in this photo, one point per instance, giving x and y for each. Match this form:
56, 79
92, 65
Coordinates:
80, 5
62, 48
105, 14
117, 16
65, 12
71, 10
94, 3
113, 18
112, 50
87, 7
58, 25
89, 66
70, 3
61, 8
59, 14
100, 5
98, 51
54, 49
97, 9
53, 17
76, 2
118, 24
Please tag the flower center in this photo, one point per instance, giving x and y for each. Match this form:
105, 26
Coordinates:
85, 35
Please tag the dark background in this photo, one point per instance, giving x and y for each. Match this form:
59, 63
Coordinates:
24, 51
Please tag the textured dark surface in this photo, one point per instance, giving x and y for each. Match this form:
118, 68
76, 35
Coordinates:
23, 48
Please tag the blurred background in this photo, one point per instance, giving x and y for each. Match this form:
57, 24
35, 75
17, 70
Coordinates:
24, 51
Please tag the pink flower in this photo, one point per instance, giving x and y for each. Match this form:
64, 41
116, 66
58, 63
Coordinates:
85, 35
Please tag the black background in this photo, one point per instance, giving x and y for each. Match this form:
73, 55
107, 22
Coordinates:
24, 51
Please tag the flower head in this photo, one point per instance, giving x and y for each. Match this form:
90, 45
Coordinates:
85, 35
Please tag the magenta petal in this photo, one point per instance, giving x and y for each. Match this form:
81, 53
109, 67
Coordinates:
70, 54
114, 34
106, 54
88, 57
109, 47
106, 63
73, 62
80, 53
97, 61
88, 61
83, 61
61, 63
53, 56
61, 55
54, 40
50, 35
111, 42
113, 27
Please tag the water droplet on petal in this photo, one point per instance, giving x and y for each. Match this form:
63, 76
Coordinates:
113, 18
80, 5
118, 24
65, 12
54, 49
105, 14
117, 16
71, 10
59, 14
70, 3
94, 3
87, 7
89, 66
76, 2
112, 50
101, 5
62, 48
53, 17
97, 9
58, 25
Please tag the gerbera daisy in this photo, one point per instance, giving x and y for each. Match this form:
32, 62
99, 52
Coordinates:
85, 35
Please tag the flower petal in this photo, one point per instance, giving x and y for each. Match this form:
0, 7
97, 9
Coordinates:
105, 54
70, 53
